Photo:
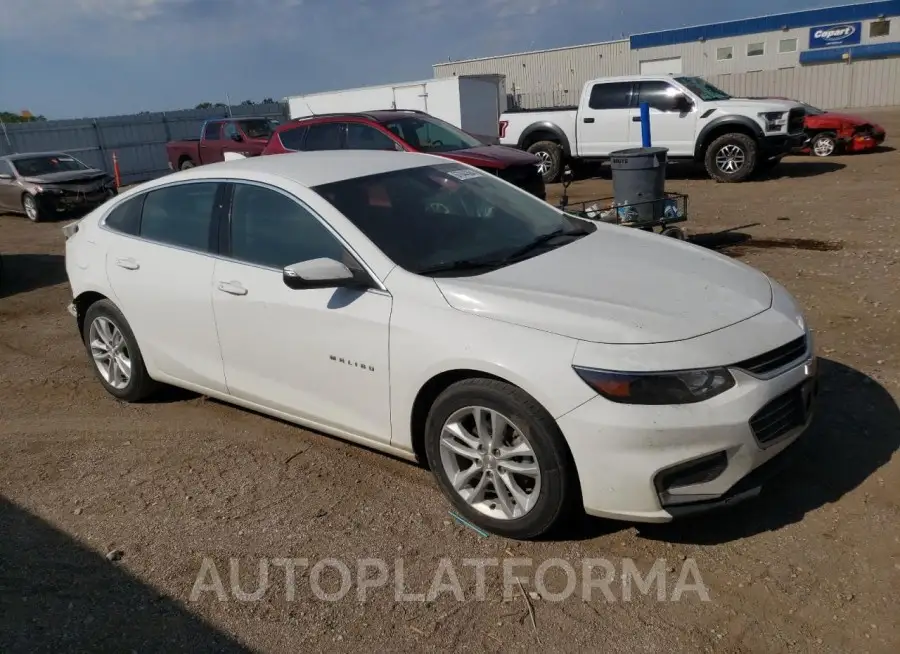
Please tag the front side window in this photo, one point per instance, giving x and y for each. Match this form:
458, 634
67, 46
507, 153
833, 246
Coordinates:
611, 95
324, 136
47, 165
257, 128
212, 131
430, 134
230, 131
703, 89
366, 137
273, 230
449, 217
181, 215
659, 95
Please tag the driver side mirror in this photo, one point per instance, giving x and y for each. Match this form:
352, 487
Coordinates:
682, 103
324, 273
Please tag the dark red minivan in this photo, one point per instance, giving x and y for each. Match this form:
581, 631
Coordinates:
407, 131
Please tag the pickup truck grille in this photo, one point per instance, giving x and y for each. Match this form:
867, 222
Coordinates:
526, 177
795, 120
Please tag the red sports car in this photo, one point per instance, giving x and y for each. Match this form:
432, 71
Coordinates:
831, 133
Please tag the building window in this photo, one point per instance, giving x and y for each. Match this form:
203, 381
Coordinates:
880, 28
724, 54
756, 49
787, 45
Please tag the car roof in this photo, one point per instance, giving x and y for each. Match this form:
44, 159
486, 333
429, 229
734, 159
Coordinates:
312, 168
28, 155
377, 115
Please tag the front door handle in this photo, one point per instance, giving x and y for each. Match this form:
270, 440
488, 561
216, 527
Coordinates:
635, 119
128, 264
588, 120
232, 288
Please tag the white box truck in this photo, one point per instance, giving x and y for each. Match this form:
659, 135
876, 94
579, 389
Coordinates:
471, 102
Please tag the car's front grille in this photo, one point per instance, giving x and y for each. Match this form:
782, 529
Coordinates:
795, 120
784, 413
775, 359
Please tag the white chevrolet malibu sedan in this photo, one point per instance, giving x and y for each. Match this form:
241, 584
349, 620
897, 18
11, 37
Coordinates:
537, 362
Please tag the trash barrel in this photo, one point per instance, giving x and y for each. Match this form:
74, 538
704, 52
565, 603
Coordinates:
639, 182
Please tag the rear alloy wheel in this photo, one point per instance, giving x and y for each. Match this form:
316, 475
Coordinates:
115, 353
731, 158
498, 456
550, 155
186, 164
824, 145
31, 209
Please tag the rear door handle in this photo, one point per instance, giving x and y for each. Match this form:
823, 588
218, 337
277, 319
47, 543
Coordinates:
588, 120
128, 264
232, 288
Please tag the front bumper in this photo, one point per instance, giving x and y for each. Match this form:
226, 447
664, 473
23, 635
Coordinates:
73, 203
864, 142
780, 144
655, 463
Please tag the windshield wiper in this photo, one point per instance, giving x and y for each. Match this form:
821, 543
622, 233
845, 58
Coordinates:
462, 265
543, 239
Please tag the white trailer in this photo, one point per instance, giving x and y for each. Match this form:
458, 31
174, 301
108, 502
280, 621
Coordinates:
471, 102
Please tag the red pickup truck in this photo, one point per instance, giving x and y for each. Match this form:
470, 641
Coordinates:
247, 136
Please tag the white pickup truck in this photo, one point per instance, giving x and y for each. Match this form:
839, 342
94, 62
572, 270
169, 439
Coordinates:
696, 121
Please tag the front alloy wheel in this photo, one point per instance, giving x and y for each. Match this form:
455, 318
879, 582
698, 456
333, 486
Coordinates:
730, 159
30, 206
490, 463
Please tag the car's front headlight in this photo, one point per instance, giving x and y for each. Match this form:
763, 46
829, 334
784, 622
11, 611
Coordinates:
775, 121
682, 387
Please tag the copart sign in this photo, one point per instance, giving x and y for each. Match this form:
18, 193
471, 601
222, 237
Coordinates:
834, 35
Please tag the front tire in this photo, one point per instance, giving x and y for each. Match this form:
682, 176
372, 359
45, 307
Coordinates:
551, 156
824, 144
115, 354
500, 459
731, 158
31, 208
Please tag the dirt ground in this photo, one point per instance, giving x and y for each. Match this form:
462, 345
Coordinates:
108, 511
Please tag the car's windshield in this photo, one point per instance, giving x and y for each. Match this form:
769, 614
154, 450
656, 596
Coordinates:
260, 128
430, 134
432, 219
703, 89
47, 164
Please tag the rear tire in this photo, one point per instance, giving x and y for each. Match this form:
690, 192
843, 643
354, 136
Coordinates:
114, 353
731, 158
523, 495
186, 164
824, 144
551, 156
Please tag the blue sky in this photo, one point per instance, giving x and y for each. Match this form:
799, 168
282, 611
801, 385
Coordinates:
75, 58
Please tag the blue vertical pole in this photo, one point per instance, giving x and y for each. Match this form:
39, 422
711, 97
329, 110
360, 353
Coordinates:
645, 124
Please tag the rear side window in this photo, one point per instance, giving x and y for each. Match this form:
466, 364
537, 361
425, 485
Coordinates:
292, 139
613, 95
324, 136
181, 215
212, 131
126, 218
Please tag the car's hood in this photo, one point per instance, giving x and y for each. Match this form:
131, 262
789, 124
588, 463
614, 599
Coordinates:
847, 118
754, 104
66, 177
492, 156
617, 285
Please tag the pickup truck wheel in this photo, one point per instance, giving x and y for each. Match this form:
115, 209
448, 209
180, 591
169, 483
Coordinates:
824, 144
550, 154
187, 163
731, 158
